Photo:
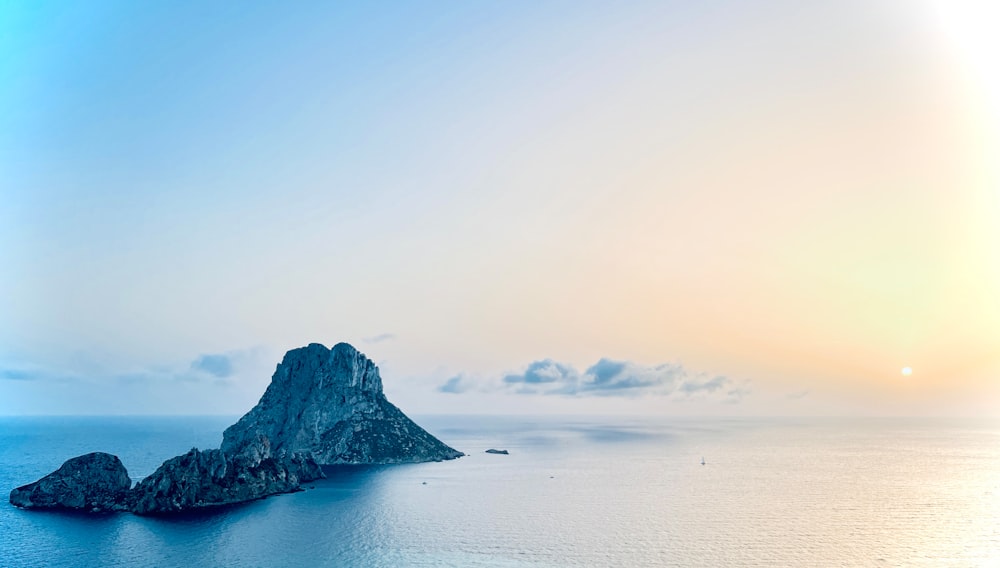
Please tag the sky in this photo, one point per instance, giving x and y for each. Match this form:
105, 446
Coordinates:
716, 208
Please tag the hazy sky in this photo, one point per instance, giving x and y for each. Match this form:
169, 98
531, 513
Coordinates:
668, 207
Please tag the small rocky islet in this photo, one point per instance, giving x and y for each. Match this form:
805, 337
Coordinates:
95, 482
323, 407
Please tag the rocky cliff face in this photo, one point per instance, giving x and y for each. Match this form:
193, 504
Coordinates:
96, 482
323, 406
328, 403
208, 478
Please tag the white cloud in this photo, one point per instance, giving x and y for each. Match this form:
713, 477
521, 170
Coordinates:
606, 377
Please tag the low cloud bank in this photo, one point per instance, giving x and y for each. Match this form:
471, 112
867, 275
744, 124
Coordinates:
606, 377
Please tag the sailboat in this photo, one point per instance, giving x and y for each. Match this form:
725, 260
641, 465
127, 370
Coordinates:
702, 460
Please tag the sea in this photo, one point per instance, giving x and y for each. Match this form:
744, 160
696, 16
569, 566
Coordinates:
573, 491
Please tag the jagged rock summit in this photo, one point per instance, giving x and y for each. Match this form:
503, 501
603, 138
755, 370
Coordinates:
328, 404
323, 406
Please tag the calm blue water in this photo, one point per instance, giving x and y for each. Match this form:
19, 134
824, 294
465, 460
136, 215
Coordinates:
572, 492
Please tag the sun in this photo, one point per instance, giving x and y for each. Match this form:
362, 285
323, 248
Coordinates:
907, 371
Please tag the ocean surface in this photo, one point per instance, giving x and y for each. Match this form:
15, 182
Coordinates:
573, 492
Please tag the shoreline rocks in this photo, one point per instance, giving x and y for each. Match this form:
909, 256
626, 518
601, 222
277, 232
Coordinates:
210, 478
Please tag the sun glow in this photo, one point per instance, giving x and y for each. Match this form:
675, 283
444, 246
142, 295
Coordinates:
907, 371
968, 26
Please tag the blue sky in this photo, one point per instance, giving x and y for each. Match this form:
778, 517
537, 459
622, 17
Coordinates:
796, 200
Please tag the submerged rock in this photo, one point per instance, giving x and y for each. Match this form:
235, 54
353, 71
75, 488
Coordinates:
328, 403
95, 482
501, 452
209, 478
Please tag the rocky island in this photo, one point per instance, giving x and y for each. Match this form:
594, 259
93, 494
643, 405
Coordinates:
323, 406
95, 482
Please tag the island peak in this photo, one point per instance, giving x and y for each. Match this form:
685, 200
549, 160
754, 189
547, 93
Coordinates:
329, 404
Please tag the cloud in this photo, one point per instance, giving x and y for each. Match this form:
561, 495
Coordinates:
228, 369
379, 338
737, 394
698, 385
455, 385
219, 366
16, 375
605, 370
541, 372
606, 377
32, 373
798, 394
